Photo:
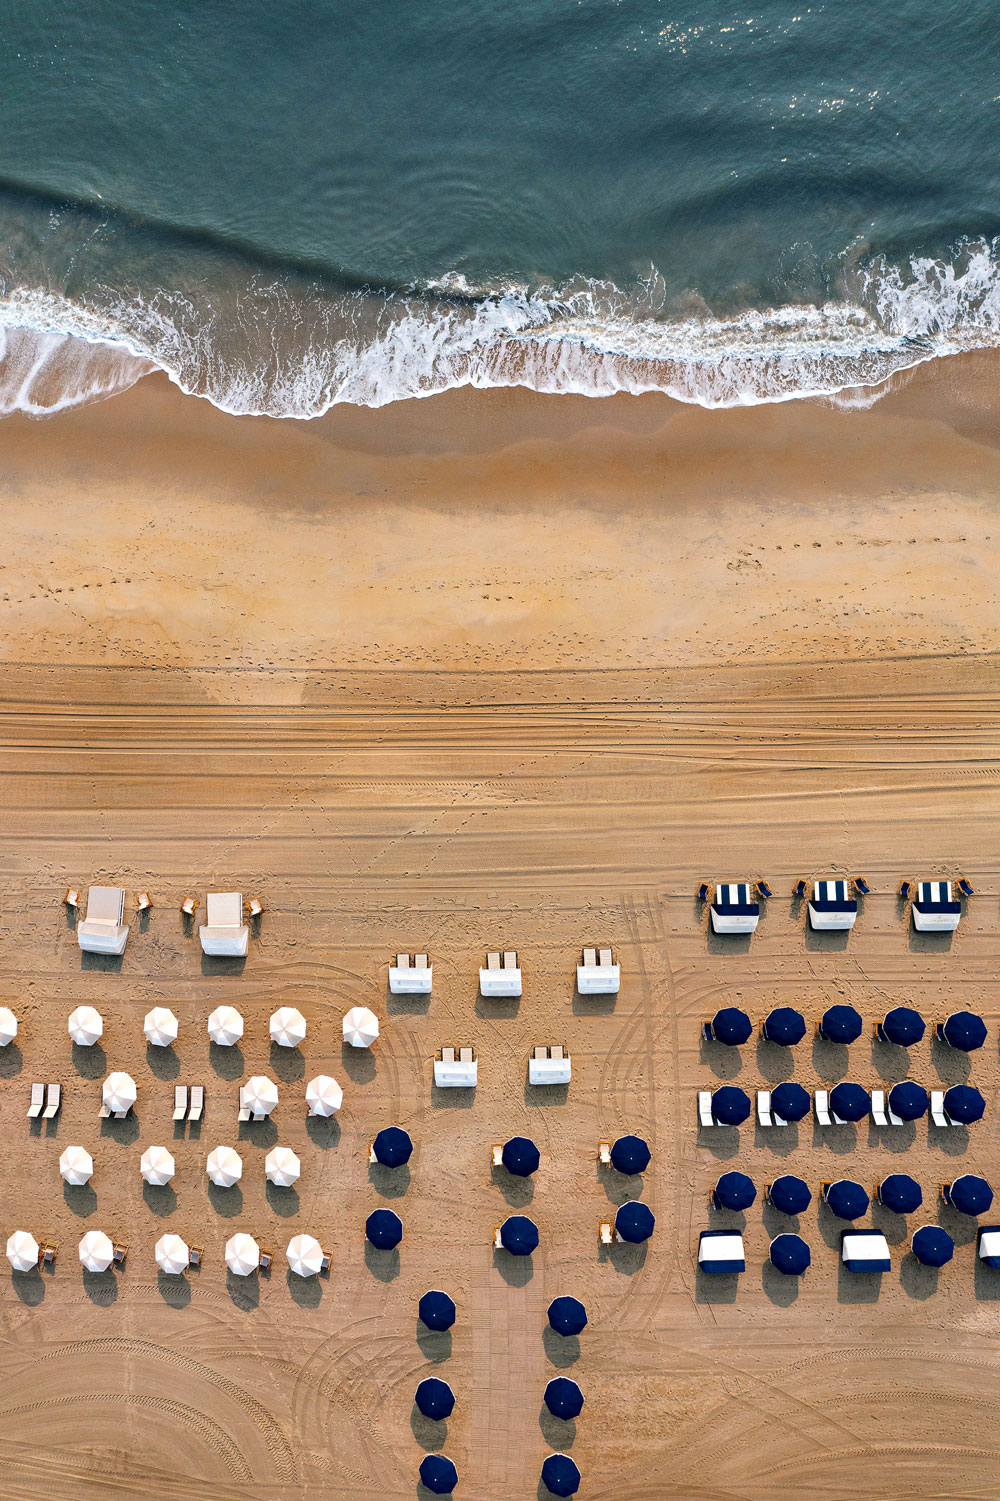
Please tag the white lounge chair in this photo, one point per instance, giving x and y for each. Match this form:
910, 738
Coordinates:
225, 935
607, 1233
764, 1107
604, 1153
54, 1101
895, 1120
497, 1242
197, 1102
180, 1101
102, 931
938, 1113
879, 1115
705, 1116
37, 1101
821, 1102
497, 1155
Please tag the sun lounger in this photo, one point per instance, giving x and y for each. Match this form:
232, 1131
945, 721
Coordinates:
197, 1102
266, 1257
800, 889
180, 1101
497, 1242
497, 1155
102, 931
466, 1055
105, 1112
604, 1153
371, 1153
225, 935
244, 1111
821, 1101
324, 1265
763, 890
119, 1255
904, 890
879, 1115
72, 898
860, 884
49, 1251
607, 1233
447, 1055
143, 902
938, 1114
764, 1107
704, 891
705, 1116
37, 1101
54, 1101
195, 1253
188, 906
966, 887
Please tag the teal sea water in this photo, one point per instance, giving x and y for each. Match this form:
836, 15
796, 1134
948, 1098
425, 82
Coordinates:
289, 206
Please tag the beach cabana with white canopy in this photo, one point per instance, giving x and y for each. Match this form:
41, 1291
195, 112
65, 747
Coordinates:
288, 1027
598, 974
103, 930
224, 1167
160, 1027
305, 1255
225, 935
173, 1255
324, 1095
225, 1026
119, 1094
831, 906
411, 975
157, 1166
282, 1167
721, 1251
501, 977
96, 1251
865, 1251
8, 1026
735, 908
934, 910
360, 1027
988, 1250
260, 1095
242, 1254
549, 1066
86, 1026
456, 1073
22, 1251
76, 1166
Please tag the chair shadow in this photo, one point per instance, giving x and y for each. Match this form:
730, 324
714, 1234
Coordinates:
516, 1271
227, 1063
89, 1062
163, 1063
383, 1265
562, 1350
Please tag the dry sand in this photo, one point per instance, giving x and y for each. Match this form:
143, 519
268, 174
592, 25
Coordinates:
494, 671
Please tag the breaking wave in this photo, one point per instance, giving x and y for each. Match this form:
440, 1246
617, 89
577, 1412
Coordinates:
286, 348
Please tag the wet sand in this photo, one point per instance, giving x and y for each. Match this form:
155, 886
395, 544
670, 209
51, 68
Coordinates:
495, 671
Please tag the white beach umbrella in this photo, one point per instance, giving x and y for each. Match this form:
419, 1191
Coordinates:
85, 1026
8, 1026
323, 1095
225, 1026
288, 1027
96, 1251
260, 1094
360, 1027
242, 1254
76, 1166
22, 1251
157, 1166
282, 1166
305, 1255
224, 1167
173, 1255
160, 1027
119, 1092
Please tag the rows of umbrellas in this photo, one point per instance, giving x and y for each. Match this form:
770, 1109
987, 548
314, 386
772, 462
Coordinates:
849, 1102
225, 1027
304, 1254
157, 1166
324, 1095
785, 1026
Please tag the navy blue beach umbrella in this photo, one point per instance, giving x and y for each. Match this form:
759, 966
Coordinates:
965, 1030
734, 1191
563, 1398
970, 1195
932, 1246
849, 1102
840, 1024
520, 1156
630, 1155
392, 1146
900, 1193
519, 1235
785, 1026
790, 1195
384, 1229
790, 1254
730, 1105
731, 1026
435, 1398
908, 1100
567, 1316
561, 1475
903, 1026
634, 1221
436, 1310
438, 1474
964, 1103
790, 1101
847, 1199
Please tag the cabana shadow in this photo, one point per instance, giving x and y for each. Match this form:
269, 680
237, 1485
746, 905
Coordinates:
716, 1287
212, 966
857, 1287
107, 964
545, 1094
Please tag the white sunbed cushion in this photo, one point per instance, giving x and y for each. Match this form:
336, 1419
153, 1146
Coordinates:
224, 909
106, 904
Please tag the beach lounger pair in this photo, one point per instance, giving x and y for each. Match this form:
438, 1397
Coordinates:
43, 1109
182, 1108
765, 1115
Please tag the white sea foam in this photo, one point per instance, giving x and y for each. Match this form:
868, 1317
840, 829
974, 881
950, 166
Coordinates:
269, 350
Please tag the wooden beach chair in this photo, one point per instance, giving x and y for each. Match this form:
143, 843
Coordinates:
119, 1255
49, 1251
195, 1254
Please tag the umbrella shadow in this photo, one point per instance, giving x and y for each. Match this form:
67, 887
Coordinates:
306, 1292
831, 1226
516, 1271
11, 1061
517, 1191
722, 1141
725, 1062
288, 1064
28, 1287
893, 1139
358, 1063
163, 1063
627, 1258
434, 1344
259, 1133
284, 1201
953, 1141
774, 1063
830, 1059
778, 1223
383, 1265
953, 1066
563, 1350
124, 1131
89, 1062
323, 1131
390, 1182
227, 1202
244, 1292
81, 1199
558, 1433
890, 1061
778, 1140
619, 1188
100, 1287
228, 1063
917, 1281
161, 1199
173, 1290
961, 1227
429, 1433
841, 1140
780, 1289
892, 1225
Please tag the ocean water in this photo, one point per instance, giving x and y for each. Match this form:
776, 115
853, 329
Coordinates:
289, 206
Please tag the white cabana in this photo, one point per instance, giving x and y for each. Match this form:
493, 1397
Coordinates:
160, 1027
85, 1026
865, 1251
76, 1166
157, 1166
721, 1251
456, 1073
242, 1254
324, 1095
831, 907
119, 1093
103, 930
288, 1027
8, 1026
360, 1027
260, 1095
735, 908
989, 1246
305, 1255
173, 1255
22, 1251
411, 975
501, 976
598, 974
934, 911
96, 1251
225, 1026
225, 935
549, 1066
224, 1167
282, 1167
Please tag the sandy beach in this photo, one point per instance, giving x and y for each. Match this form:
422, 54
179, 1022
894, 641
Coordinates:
495, 670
